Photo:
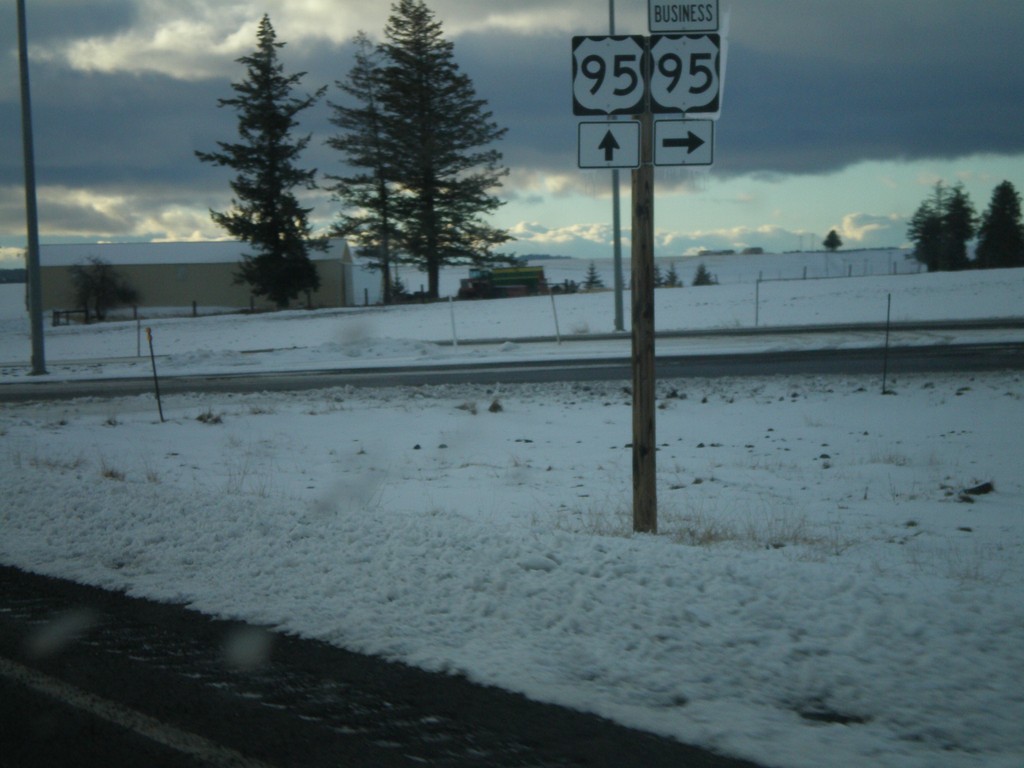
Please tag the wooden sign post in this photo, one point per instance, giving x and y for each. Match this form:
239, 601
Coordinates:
645, 494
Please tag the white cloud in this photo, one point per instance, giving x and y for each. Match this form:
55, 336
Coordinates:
67, 211
178, 223
542, 184
12, 258
520, 20
534, 232
92, 214
859, 227
181, 38
194, 39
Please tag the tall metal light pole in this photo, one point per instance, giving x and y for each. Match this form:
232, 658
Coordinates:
616, 214
35, 293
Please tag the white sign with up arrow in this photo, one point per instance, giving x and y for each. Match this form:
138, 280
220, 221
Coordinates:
684, 142
610, 144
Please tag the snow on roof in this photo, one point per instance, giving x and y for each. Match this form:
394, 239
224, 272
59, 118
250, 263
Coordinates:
203, 252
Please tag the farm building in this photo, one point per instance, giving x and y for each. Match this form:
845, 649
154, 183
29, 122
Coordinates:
200, 273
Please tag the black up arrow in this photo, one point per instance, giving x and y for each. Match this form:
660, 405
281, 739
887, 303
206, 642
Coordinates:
692, 142
609, 145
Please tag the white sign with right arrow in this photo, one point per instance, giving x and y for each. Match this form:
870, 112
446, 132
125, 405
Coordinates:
684, 142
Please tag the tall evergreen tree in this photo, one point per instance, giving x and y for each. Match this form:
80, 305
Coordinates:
439, 136
959, 225
672, 279
367, 219
703, 277
1001, 234
658, 277
592, 281
941, 228
265, 212
925, 230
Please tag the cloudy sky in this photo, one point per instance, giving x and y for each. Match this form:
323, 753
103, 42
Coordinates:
835, 115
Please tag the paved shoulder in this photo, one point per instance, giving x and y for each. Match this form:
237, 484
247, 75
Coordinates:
87, 672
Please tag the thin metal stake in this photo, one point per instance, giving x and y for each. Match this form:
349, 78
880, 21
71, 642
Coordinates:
451, 309
156, 380
554, 311
885, 356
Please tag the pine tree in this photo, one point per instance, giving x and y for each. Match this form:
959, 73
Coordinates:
832, 241
703, 277
592, 280
265, 212
368, 218
925, 230
672, 277
438, 135
1001, 234
959, 226
941, 228
658, 277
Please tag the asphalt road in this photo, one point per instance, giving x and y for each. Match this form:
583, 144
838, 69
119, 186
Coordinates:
90, 677
906, 359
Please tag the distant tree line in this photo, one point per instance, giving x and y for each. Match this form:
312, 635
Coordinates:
944, 225
416, 145
12, 276
670, 279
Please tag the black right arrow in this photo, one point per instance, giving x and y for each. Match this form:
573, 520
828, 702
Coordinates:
609, 145
691, 142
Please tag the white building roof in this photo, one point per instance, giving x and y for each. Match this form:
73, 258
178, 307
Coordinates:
204, 252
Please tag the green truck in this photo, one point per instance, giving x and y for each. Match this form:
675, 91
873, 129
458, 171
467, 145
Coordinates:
503, 282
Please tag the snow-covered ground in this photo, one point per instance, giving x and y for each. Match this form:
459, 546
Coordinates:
820, 585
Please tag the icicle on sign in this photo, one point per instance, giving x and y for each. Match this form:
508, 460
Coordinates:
665, 16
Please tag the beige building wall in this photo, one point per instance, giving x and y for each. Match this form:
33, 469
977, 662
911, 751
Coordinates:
209, 285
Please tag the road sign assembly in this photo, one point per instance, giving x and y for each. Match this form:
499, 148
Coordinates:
677, 74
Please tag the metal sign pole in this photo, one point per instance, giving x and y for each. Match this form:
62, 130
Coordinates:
616, 217
35, 291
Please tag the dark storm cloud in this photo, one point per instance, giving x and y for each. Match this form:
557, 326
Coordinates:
527, 83
55, 20
95, 129
810, 87
937, 89
60, 19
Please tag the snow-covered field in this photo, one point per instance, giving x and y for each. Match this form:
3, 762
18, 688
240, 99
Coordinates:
820, 585
407, 335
